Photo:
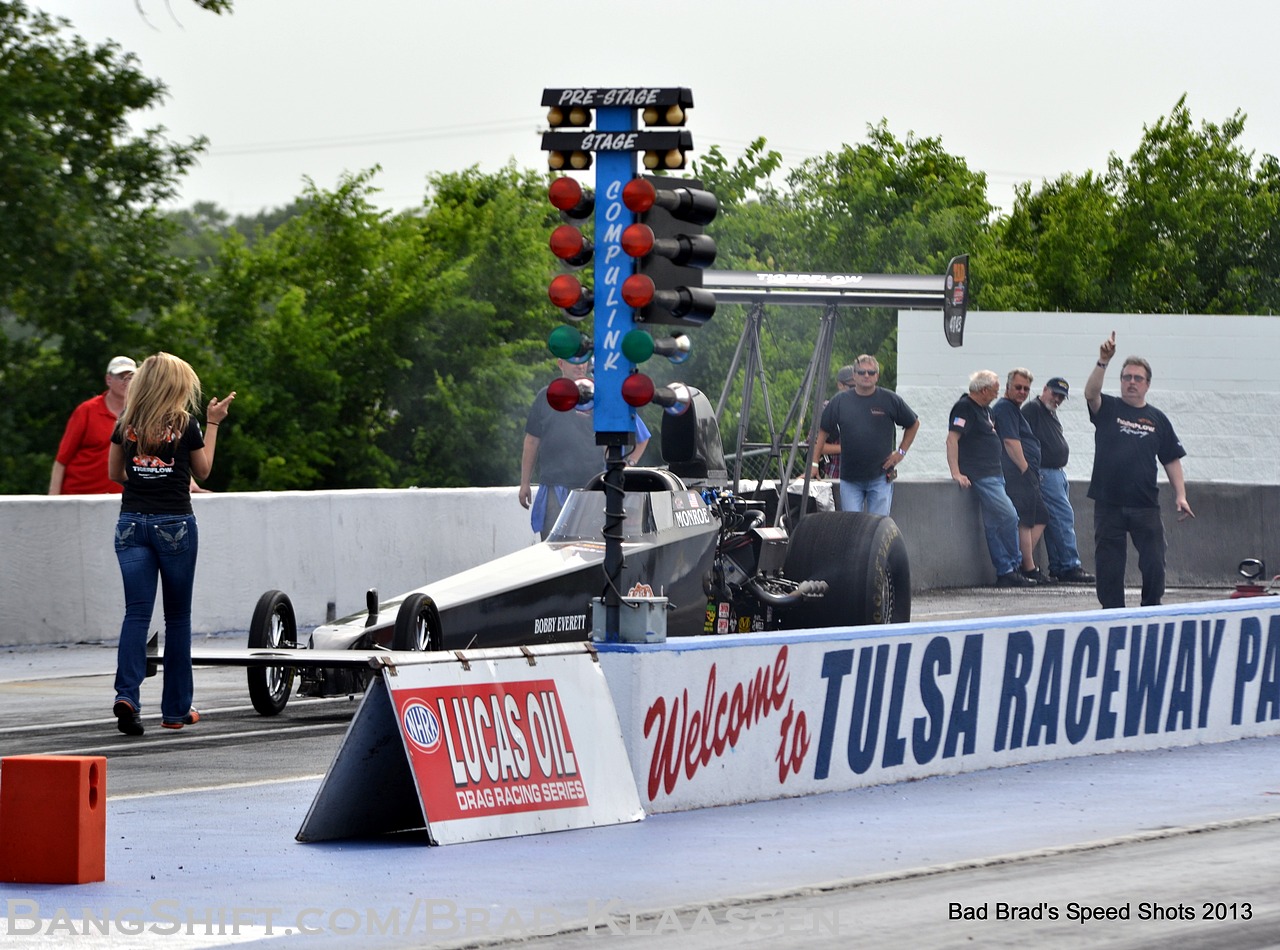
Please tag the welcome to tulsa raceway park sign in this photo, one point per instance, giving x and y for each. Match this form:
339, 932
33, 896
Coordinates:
520, 741
751, 717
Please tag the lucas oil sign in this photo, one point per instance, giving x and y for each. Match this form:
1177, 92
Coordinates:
481, 744
492, 749
513, 743
749, 718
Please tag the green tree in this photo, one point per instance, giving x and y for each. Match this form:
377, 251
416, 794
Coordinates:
83, 250
479, 350
1192, 220
884, 206
887, 206
379, 350
1186, 224
302, 325
1055, 249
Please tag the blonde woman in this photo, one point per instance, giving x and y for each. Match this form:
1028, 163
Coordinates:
156, 448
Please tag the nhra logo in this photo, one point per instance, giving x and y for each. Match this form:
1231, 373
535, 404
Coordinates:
421, 726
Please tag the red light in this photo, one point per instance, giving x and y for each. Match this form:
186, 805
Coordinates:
562, 394
638, 195
565, 291
567, 242
637, 390
638, 290
565, 193
637, 240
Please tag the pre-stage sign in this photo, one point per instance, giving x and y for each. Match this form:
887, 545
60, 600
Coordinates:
486, 744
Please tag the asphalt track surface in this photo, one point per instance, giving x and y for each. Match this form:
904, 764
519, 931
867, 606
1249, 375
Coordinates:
1180, 847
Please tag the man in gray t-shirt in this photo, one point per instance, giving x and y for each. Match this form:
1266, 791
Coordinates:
563, 447
865, 421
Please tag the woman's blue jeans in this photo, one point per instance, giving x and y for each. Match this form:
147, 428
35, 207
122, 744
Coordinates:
156, 549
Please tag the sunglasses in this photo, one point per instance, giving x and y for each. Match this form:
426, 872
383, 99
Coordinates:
1133, 378
866, 372
1021, 389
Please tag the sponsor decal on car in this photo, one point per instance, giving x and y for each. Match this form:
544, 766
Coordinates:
562, 623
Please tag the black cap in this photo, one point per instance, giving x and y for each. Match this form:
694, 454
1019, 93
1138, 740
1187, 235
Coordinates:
1059, 386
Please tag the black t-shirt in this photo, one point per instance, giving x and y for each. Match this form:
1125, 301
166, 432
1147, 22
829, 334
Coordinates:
1047, 427
1011, 425
866, 428
979, 448
160, 483
1127, 442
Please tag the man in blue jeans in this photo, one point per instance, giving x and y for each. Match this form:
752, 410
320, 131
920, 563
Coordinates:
974, 450
863, 422
1041, 414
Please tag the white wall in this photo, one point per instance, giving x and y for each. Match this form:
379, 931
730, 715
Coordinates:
1215, 377
59, 581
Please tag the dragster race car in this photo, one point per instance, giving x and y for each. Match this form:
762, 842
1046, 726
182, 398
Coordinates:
686, 537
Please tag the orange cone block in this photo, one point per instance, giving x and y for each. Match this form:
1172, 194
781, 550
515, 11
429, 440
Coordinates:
53, 819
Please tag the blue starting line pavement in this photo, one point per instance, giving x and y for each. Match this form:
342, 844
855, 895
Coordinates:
220, 866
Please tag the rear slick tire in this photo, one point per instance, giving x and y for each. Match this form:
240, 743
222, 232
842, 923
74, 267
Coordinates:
863, 560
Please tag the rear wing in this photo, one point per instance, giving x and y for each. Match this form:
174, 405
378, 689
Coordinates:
949, 291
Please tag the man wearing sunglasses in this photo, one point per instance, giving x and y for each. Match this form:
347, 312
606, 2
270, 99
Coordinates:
860, 426
1021, 465
1129, 437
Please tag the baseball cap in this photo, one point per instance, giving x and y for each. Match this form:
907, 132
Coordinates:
121, 364
846, 375
1059, 386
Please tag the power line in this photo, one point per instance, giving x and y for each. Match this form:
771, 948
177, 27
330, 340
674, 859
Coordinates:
497, 127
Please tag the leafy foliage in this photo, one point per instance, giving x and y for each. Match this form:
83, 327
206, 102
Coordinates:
83, 250
1187, 224
371, 349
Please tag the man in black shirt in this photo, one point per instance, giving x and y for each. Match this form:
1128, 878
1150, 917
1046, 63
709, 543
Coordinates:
1041, 414
973, 455
1129, 436
864, 420
1021, 461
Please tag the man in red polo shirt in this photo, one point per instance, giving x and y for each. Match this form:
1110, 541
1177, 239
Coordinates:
80, 467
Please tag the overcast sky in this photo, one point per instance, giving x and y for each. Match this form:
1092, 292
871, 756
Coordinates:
1023, 90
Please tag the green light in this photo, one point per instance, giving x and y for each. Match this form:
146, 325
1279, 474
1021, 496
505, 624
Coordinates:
568, 344
637, 346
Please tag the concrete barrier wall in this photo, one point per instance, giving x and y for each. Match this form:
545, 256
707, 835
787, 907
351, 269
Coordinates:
943, 531
59, 581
